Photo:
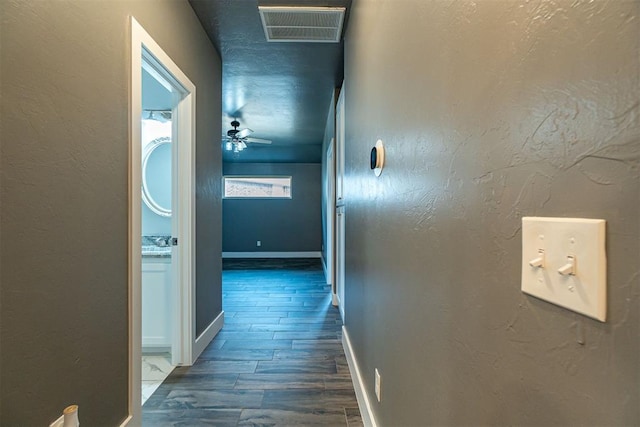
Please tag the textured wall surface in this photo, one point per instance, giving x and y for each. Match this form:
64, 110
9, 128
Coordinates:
490, 111
280, 224
64, 192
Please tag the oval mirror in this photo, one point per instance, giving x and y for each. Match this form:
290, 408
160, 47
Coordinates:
156, 176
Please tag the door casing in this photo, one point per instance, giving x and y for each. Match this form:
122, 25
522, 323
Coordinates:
340, 208
146, 52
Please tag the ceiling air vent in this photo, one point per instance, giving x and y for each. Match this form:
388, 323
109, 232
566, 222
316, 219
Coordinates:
302, 24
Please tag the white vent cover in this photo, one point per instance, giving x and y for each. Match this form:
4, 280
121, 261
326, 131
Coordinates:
302, 24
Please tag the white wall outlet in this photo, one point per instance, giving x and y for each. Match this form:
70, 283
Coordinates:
564, 263
378, 385
258, 243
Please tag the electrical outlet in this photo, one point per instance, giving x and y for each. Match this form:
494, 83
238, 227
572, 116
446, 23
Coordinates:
258, 243
378, 384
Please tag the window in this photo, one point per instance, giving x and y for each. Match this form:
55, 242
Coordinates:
257, 187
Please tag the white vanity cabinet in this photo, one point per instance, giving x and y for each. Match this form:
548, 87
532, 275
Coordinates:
156, 302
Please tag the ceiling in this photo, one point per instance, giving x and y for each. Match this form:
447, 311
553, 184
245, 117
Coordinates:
281, 91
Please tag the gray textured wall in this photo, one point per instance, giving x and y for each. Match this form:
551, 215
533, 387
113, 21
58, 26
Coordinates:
281, 224
64, 192
490, 111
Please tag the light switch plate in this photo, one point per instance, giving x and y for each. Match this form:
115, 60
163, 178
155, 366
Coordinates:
378, 385
555, 240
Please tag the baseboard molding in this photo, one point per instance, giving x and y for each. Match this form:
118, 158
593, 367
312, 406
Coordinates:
324, 270
308, 254
335, 301
207, 336
368, 419
60, 422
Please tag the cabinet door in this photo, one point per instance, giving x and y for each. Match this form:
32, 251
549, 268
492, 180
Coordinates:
156, 308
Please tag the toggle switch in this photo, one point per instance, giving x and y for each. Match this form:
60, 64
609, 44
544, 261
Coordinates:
539, 261
569, 269
555, 244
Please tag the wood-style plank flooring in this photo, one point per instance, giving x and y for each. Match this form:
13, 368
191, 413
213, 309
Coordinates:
277, 361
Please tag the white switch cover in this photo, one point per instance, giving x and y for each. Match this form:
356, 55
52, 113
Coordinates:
378, 385
560, 242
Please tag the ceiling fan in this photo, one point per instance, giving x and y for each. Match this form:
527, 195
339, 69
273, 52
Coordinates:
237, 139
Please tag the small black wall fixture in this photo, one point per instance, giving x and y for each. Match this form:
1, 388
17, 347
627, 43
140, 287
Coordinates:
377, 158
374, 157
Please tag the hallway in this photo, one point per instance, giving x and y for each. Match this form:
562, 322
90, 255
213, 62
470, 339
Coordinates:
277, 361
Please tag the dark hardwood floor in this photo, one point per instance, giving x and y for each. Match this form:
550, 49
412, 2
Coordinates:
277, 361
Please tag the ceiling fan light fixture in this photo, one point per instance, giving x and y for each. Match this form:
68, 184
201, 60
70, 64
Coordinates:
236, 140
302, 23
243, 133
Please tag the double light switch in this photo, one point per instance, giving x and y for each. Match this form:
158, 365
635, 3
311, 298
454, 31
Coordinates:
564, 263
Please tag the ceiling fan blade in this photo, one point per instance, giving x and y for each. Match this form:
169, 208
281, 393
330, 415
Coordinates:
258, 140
243, 133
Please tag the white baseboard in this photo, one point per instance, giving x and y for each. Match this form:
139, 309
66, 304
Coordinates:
324, 270
335, 301
368, 419
307, 254
207, 336
58, 423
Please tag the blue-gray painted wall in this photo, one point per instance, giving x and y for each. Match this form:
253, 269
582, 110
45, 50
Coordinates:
490, 111
64, 194
282, 225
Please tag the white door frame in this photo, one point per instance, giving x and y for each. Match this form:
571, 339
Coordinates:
331, 215
339, 210
145, 50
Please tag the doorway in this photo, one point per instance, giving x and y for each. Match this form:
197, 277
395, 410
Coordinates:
158, 264
176, 307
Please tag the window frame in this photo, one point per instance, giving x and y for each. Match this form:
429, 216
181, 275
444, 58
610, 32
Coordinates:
225, 177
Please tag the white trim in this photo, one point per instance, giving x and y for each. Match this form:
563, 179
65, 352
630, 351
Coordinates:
59, 422
184, 116
339, 225
144, 50
330, 208
335, 301
135, 228
251, 197
368, 418
324, 270
207, 336
308, 254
